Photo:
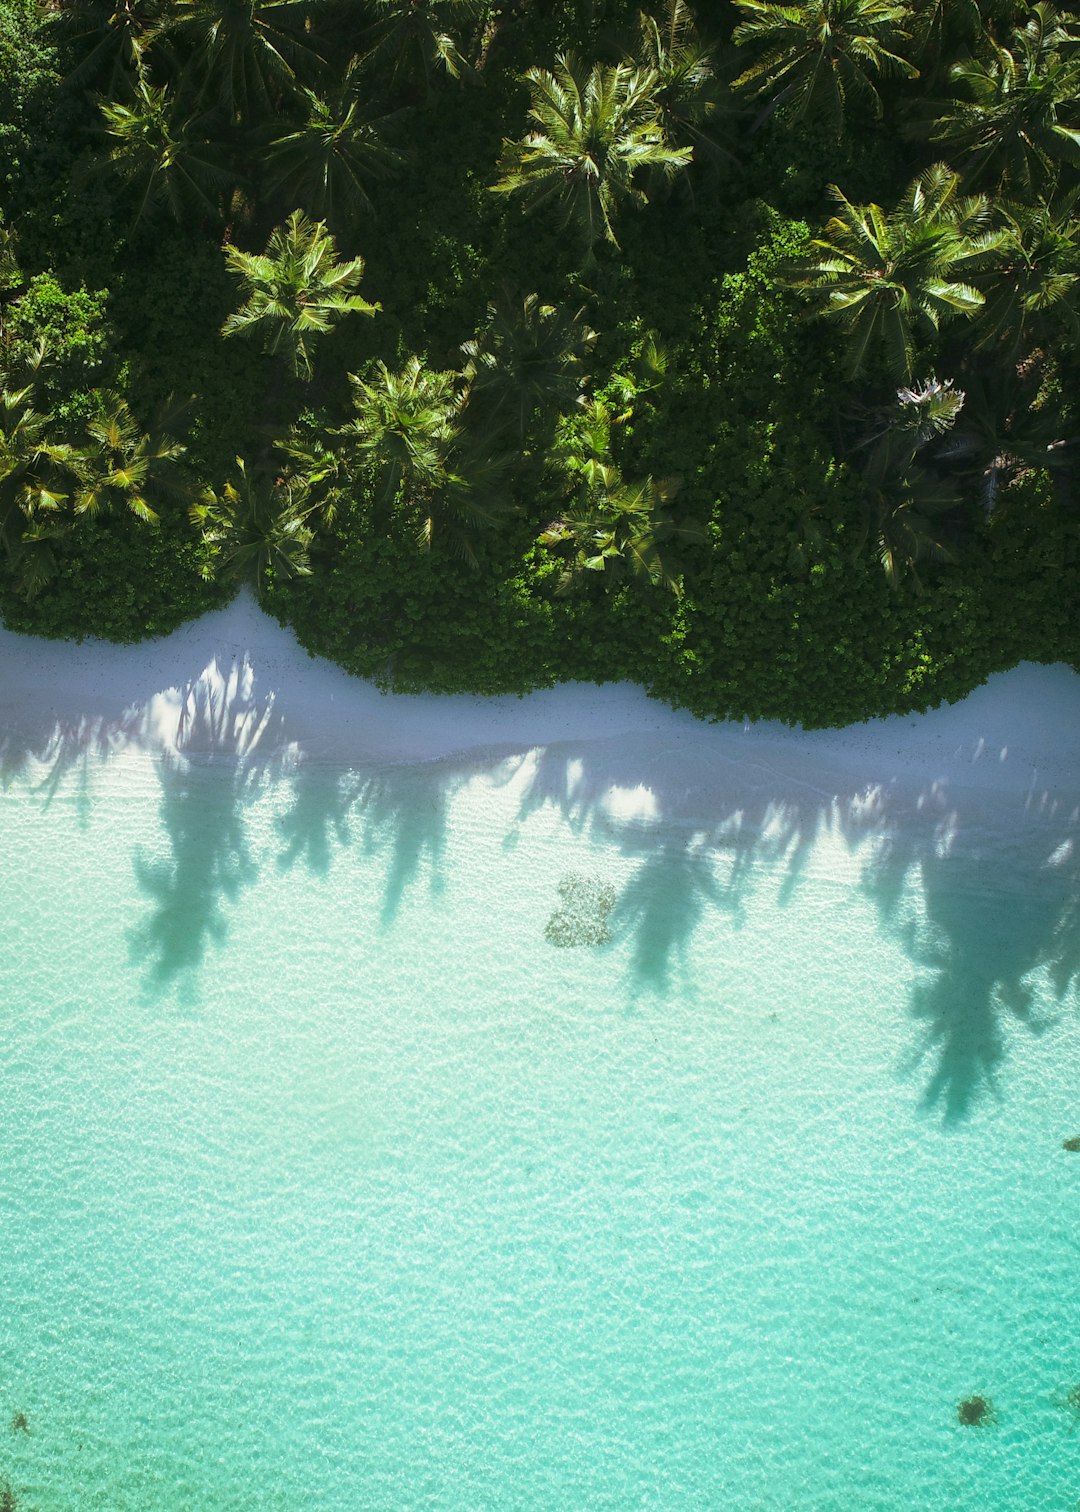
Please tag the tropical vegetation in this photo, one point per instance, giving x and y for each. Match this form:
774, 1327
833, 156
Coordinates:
731, 348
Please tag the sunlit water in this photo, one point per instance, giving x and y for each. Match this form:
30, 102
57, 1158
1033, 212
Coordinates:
329, 1181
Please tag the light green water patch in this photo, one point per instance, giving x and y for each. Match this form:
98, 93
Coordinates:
330, 1180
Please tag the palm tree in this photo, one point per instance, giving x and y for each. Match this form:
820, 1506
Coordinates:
814, 58
326, 161
121, 466
416, 40
941, 29
609, 525
526, 363
36, 476
162, 159
114, 39
404, 431
255, 526
902, 505
241, 54
1008, 427
894, 278
618, 528
409, 447
1018, 110
1032, 284
596, 133
687, 92
296, 290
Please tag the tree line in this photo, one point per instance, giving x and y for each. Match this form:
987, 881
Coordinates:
732, 348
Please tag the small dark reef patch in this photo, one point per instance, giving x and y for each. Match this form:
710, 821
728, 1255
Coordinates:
20, 1423
974, 1410
582, 916
1072, 1144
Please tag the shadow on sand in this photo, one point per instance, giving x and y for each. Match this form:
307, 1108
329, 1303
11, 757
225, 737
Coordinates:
999, 898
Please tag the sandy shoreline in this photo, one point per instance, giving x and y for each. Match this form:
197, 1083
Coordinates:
235, 684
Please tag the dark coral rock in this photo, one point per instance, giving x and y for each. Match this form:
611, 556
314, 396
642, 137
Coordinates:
974, 1410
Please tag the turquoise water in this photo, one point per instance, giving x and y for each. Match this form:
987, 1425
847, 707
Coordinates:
328, 1181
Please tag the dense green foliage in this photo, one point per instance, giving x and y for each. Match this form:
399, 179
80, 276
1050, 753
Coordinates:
732, 348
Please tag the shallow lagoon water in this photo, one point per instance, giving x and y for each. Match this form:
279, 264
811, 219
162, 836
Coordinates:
328, 1181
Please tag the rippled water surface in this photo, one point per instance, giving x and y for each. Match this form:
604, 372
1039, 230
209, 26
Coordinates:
461, 1138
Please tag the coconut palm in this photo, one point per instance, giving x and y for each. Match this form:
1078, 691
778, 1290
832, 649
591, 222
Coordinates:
35, 468
163, 160
325, 163
405, 429
121, 466
941, 29
894, 278
415, 41
408, 445
815, 58
1017, 110
687, 92
242, 55
112, 40
255, 525
927, 410
595, 134
1008, 427
526, 364
903, 506
609, 525
1032, 284
296, 290
619, 529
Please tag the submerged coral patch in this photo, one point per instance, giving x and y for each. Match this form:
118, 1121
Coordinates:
583, 912
974, 1410
1072, 1143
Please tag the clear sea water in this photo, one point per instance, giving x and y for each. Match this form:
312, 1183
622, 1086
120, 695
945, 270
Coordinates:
328, 1181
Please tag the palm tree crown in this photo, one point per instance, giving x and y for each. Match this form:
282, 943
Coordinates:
687, 91
324, 163
296, 290
527, 362
595, 133
122, 465
243, 53
162, 157
1022, 111
814, 57
254, 525
891, 277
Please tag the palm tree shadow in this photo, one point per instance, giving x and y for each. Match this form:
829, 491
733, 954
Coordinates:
662, 906
226, 740
317, 818
405, 814
208, 864
648, 804
990, 919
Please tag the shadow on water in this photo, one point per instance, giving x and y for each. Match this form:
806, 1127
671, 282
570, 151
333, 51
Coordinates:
994, 912
662, 905
317, 818
979, 905
226, 739
399, 814
982, 898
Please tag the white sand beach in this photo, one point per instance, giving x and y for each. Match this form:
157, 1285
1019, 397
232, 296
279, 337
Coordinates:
236, 684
